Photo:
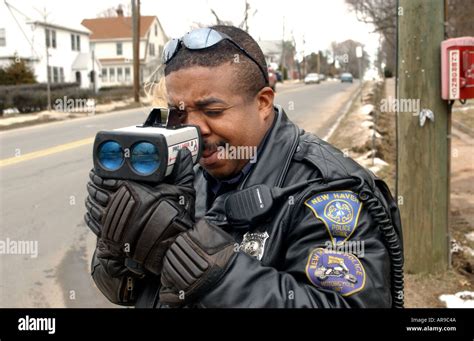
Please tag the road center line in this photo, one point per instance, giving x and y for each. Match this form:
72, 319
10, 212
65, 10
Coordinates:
45, 152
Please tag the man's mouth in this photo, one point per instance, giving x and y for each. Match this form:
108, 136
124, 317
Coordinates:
211, 148
209, 154
209, 151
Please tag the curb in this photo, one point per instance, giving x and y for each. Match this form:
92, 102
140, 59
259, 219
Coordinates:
343, 113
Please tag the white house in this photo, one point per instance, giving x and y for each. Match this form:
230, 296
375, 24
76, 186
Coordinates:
112, 42
27, 37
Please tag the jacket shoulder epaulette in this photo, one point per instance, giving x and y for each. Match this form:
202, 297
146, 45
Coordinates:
330, 161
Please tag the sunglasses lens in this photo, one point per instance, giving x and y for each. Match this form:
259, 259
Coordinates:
201, 38
169, 50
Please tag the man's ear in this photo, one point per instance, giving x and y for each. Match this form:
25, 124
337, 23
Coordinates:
265, 102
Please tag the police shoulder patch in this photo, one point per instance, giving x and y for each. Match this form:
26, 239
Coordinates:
337, 271
339, 211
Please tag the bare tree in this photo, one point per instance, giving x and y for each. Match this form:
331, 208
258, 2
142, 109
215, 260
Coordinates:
460, 18
382, 14
345, 54
112, 11
219, 21
245, 24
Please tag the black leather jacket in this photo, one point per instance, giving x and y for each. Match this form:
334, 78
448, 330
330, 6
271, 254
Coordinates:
292, 258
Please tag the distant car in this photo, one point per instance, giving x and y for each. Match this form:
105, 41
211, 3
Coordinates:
279, 76
322, 77
312, 78
346, 77
272, 78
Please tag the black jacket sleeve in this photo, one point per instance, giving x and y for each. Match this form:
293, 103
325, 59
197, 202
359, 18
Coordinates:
314, 272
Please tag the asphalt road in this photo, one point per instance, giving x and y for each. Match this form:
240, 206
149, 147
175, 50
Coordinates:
43, 172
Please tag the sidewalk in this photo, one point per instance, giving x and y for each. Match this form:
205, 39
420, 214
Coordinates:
22, 120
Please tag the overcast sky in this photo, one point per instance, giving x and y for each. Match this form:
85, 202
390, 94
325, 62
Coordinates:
318, 22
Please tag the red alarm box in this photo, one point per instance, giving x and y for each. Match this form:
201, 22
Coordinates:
457, 68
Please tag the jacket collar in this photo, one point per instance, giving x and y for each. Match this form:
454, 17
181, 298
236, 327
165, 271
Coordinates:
274, 159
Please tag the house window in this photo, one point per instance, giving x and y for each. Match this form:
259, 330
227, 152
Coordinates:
75, 42
127, 74
156, 30
112, 74
48, 38
152, 49
104, 75
119, 74
119, 49
160, 50
53, 38
55, 75
3, 38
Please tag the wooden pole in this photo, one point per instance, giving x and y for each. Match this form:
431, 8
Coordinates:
136, 49
423, 151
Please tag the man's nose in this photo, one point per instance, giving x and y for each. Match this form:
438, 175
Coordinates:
197, 118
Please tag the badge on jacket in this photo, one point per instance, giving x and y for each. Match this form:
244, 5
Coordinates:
337, 271
339, 211
253, 244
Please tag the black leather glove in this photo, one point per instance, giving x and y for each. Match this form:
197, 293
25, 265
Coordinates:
100, 190
195, 262
140, 221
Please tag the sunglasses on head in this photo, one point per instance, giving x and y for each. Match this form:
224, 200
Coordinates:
203, 38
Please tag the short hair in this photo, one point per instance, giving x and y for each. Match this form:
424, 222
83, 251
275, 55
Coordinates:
249, 79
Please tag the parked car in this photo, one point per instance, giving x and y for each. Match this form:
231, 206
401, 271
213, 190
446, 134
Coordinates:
322, 77
346, 77
272, 78
312, 78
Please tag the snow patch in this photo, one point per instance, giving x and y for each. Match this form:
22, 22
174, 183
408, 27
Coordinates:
470, 236
463, 299
367, 109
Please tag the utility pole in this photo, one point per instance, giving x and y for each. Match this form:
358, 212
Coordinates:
423, 150
48, 38
304, 59
93, 77
359, 55
282, 58
318, 60
136, 49
48, 76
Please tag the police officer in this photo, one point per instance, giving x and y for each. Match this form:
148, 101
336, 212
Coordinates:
331, 236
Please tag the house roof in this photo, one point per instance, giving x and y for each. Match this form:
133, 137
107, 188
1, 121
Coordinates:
61, 26
116, 27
